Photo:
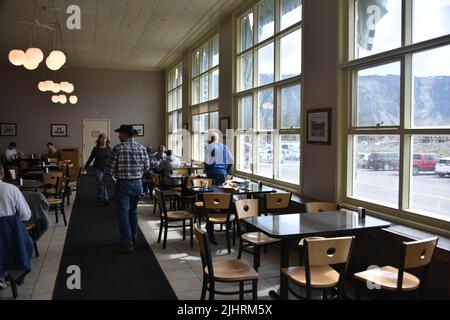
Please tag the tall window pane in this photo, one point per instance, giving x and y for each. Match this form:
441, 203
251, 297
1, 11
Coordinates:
290, 55
196, 63
204, 88
290, 107
245, 113
195, 91
246, 71
245, 145
431, 19
430, 170
215, 84
266, 19
204, 62
378, 26
378, 96
291, 12
246, 36
265, 156
215, 52
214, 120
431, 91
265, 109
265, 64
376, 162
290, 158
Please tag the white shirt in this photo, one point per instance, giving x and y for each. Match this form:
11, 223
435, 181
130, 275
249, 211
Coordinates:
13, 202
9, 153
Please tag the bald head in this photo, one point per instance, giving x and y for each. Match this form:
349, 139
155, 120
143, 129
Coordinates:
213, 137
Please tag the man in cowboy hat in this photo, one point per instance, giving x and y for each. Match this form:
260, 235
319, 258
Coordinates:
127, 163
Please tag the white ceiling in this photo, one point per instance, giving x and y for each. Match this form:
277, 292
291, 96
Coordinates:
115, 34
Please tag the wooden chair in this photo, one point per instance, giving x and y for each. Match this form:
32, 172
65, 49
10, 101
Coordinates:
182, 171
50, 181
57, 201
224, 271
198, 203
313, 207
13, 174
170, 194
413, 255
53, 162
276, 203
30, 229
24, 165
74, 175
172, 216
325, 267
250, 208
217, 207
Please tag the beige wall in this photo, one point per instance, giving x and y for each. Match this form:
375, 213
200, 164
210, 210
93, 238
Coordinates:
135, 97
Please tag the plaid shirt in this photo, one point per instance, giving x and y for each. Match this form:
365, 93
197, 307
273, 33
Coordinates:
128, 160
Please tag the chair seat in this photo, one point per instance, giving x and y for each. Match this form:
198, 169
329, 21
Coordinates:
176, 188
54, 201
258, 238
321, 276
302, 241
199, 204
72, 184
50, 191
171, 193
386, 278
219, 218
233, 270
179, 215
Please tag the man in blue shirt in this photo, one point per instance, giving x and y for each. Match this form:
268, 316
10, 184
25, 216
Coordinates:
218, 159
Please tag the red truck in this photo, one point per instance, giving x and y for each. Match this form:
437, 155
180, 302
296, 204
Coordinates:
424, 162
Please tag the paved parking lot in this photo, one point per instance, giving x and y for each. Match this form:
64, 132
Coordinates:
430, 193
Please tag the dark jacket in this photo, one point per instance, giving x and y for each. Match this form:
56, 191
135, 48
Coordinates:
16, 246
39, 213
100, 156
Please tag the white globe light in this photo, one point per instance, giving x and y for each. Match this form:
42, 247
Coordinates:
73, 99
30, 65
70, 88
35, 55
17, 57
41, 86
55, 99
56, 88
57, 57
62, 99
48, 84
65, 86
51, 65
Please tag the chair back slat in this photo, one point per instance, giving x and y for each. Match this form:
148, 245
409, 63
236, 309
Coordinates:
181, 171
328, 251
13, 174
246, 208
156, 178
203, 246
199, 182
419, 253
314, 207
50, 178
217, 201
277, 201
161, 201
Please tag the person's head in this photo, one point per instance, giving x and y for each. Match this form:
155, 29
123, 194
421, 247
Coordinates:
161, 148
2, 172
126, 132
102, 139
50, 145
169, 153
213, 137
12, 145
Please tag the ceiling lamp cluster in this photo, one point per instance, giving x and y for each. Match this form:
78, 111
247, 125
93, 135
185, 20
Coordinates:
32, 57
55, 87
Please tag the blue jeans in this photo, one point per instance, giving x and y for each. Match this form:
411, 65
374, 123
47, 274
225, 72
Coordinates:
102, 193
127, 197
219, 179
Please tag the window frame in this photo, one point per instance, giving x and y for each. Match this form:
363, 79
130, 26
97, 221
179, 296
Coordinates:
349, 67
170, 91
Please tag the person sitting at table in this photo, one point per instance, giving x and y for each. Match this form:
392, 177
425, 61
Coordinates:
100, 154
167, 165
12, 202
161, 154
11, 152
218, 159
52, 152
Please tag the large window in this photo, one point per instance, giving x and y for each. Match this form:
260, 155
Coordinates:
174, 106
268, 79
398, 128
201, 123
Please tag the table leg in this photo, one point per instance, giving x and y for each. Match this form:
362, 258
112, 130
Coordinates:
284, 262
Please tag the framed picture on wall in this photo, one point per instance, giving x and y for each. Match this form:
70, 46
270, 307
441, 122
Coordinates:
58, 130
8, 129
139, 128
319, 126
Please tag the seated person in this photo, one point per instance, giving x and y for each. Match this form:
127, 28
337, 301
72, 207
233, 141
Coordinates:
167, 165
11, 152
11, 202
52, 152
161, 154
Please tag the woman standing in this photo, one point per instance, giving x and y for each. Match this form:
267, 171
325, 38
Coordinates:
100, 154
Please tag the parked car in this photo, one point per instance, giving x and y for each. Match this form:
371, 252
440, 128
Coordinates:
442, 167
289, 152
362, 160
383, 161
424, 162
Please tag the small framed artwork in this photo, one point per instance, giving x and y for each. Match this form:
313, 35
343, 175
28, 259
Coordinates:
224, 124
58, 130
139, 128
8, 129
319, 126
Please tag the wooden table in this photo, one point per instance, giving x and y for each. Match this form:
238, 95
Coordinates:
298, 226
30, 185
